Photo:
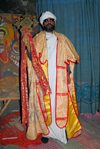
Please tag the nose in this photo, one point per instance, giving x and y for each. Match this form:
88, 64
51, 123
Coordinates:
49, 20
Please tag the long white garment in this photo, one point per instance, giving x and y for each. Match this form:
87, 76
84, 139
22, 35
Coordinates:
55, 131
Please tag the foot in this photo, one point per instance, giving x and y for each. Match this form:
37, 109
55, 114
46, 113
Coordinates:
44, 140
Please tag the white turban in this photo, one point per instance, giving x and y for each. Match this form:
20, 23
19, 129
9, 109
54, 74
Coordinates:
46, 15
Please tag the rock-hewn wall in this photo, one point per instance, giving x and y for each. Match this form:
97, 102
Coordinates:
17, 6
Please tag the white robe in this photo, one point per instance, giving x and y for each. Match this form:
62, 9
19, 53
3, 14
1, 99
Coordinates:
55, 131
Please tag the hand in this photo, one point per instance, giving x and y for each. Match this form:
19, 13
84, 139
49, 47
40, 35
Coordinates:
25, 39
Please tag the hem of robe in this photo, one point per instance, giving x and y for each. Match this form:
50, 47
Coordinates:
30, 137
64, 140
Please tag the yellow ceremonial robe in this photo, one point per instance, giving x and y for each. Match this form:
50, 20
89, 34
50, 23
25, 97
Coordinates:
66, 104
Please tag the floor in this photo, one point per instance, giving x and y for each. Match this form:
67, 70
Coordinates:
90, 137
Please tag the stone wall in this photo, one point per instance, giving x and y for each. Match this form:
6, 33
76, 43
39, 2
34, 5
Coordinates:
18, 6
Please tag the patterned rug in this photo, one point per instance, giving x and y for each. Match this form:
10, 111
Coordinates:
12, 135
90, 136
13, 132
89, 139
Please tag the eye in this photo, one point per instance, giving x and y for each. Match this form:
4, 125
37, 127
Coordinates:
46, 20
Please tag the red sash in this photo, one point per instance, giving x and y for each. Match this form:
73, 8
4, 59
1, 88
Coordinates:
40, 73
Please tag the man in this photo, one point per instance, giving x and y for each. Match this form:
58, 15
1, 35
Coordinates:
54, 114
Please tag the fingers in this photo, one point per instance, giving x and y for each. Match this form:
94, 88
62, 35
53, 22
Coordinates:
25, 37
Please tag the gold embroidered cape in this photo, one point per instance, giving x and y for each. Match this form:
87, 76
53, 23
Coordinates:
66, 104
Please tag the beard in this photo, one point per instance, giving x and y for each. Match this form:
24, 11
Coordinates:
49, 27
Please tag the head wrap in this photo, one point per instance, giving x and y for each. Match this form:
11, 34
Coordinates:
46, 15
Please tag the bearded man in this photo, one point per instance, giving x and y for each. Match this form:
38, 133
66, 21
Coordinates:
54, 115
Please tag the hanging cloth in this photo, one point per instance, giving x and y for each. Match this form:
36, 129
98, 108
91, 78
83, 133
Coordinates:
40, 74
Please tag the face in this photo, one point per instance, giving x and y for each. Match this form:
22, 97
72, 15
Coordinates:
1, 34
49, 25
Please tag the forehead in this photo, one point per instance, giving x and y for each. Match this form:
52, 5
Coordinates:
49, 18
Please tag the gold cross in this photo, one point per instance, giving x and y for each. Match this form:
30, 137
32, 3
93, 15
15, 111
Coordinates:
26, 21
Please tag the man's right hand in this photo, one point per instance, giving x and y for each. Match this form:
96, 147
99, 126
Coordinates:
25, 39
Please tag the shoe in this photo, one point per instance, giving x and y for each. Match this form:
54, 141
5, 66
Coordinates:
44, 140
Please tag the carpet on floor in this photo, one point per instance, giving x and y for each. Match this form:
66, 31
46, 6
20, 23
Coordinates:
13, 132
12, 135
89, 138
